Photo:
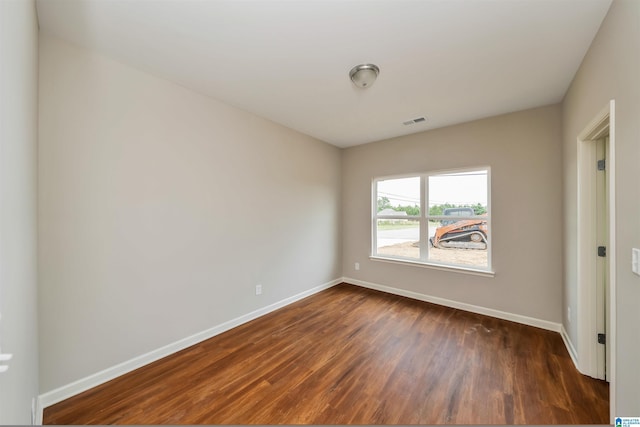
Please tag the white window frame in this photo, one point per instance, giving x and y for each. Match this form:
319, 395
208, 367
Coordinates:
424, 219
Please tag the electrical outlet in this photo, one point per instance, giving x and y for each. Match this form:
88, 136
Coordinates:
258, 289
357, 266
569, 314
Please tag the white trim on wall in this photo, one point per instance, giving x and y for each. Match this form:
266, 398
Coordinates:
612, 330
424, 217
569, 345
38, 413
602, 123
54, 396
525, 320
50, 398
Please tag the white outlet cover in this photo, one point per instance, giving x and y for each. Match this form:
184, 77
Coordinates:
635, 260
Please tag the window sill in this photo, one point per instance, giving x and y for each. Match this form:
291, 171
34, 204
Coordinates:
434, 266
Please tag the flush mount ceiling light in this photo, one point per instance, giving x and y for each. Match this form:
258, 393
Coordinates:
364, 75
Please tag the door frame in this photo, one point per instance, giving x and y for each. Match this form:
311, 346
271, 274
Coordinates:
601, 125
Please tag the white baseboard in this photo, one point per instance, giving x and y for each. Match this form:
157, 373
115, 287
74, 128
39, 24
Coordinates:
570, 348
530, 321
54, 396
525, 320
38, 413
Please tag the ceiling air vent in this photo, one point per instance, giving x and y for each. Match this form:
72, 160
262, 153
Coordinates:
414, 121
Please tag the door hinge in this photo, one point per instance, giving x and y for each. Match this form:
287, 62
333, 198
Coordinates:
602, 339
602, 251
602, 164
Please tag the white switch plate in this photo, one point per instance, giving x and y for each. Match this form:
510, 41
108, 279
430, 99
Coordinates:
258, 289
635, 260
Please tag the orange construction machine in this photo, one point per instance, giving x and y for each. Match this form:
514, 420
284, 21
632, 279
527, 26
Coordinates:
463, 234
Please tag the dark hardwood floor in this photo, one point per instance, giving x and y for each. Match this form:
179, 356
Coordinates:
354, 356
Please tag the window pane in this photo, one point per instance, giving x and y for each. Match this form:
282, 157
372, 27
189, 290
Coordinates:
460, 241
458, 193
399, 196
398, 237
458, 247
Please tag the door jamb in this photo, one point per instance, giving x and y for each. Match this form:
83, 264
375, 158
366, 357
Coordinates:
586, 323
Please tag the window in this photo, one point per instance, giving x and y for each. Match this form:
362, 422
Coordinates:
434, 219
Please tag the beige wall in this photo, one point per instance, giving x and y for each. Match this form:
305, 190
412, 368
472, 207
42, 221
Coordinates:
161, 209
524, 152
18, 268
610, 70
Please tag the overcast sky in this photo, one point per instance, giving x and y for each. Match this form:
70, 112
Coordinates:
458, 189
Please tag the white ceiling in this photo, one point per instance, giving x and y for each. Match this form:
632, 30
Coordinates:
449, 60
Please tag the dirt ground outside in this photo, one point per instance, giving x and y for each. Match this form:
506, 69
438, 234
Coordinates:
469, 257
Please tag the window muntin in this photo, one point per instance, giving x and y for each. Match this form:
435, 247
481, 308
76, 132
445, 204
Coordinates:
454, 230
398, 220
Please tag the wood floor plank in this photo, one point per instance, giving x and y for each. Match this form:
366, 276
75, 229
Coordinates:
350, 355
